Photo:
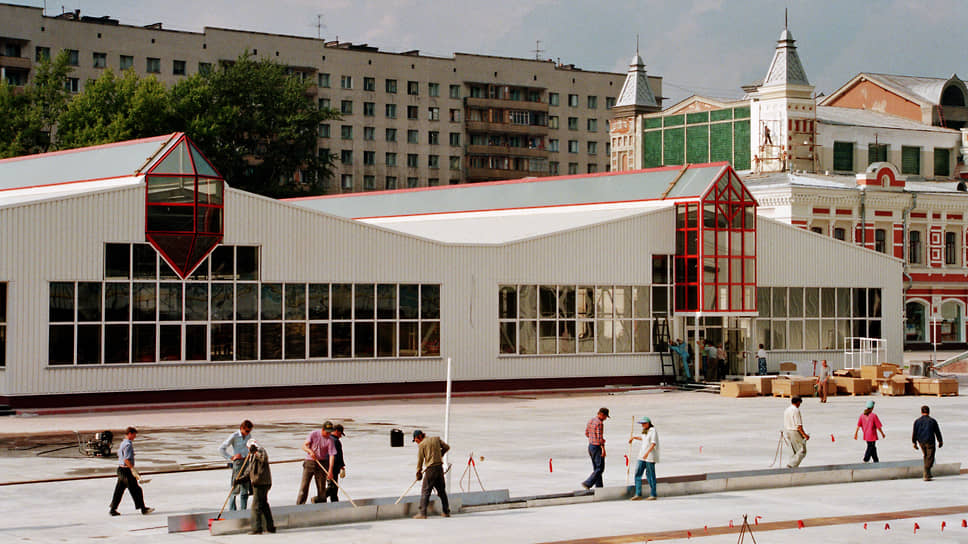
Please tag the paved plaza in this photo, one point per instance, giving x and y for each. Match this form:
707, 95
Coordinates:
529, 444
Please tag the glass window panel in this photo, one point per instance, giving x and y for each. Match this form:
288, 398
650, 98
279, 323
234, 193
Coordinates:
223, 263
145, 262
247, 262
874, 303
246, 341
171, 189
642, 336
603, 302
566, 337
585, 331
222, 298
246, 301
640, 302
117, 261
828, 334
763, 332
623, 336
796, 302
295, 301
660, 300
165, 271
811, 338
88, 344
201, 271
319, 340
779, 335
796, 334
779, 302
566, 301
409, 303
430, 302
843, 331
509, 338
386, 301
3, 302
843, 303
547, 301
143, 343
660, 269
271, 301
585, 302
342, 341
169, 343
170, 303
61, 345
430, 339
528, 337
874, 328
860, 302
222, 342
363, 301
763, 306
210, 190
409, 338
143, 302
62, 303
623, 301
270, 342
811, 303
196, 342
547, 336
88, 301
116, 344
736, 297
363, 338
169, 218
528, 301
295, 340
319, 301
606, 333
507, 303
342, 302
196, 302
386, 339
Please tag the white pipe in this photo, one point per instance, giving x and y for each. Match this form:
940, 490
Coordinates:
447, 418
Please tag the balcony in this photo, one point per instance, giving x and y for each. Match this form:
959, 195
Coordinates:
15, 62
495, 174
497, 103
504, 128
503, 150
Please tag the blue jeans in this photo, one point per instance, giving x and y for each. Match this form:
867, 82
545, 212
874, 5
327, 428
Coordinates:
649, 469
241, 490
598, 467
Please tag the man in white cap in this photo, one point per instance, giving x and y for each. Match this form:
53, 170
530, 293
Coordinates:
648, 457
258, 475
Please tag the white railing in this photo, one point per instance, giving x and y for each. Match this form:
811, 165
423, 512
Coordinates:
861, 351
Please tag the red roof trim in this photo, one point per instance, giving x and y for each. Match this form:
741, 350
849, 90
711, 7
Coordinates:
79, 149
68, 182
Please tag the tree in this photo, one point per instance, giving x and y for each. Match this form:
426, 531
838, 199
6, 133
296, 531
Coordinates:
115, 108
257, 125
29, 118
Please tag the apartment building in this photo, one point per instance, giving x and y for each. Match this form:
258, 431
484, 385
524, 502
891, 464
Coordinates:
407, 120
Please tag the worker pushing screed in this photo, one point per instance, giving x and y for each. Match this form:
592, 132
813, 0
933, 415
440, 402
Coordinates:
318, 465
430, 452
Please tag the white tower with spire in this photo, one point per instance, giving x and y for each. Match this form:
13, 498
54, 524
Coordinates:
783, 113
625, 129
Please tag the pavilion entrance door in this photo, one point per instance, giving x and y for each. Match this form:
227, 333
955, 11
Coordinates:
732, 332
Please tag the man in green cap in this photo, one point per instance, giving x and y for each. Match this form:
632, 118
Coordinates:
648, 457
319, 448
870, 424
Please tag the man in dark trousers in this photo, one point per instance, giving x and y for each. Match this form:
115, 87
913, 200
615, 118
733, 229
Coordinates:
128, 477
594, 431
332, 490
257, 475
318, 465
430, 453
925, 431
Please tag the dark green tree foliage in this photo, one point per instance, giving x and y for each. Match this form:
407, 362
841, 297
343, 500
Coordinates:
27, 119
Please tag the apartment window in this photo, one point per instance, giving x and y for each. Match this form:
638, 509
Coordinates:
592, 148
323, 80
413, 88
840, 234
153, 65
572, 123
433, 182
346, 82
914, 247
346, 107
346, 182
553, 145
553, 99
369, 183
880, 240
369, 158
910, 160
369, 133
413, 137
433, 89
323, 130
552, 121
455, 91
323, 154
433, 161
592, 102
455, 162
412, 112
592, 168
455, 139
942, 166
391, 159
391, 134
100, 60
72, 85
324, 103
573, 100
41, 54
391, 182
433, 137
178, 67
369, 84
573, 146
346, 132
950, 248
205, 68
391, 86
455, 116
553, 168
844, 156
592, 125
391, 111
411, 182
126, 62
73, 57
346, 156
572, 168
369, 109
876, 153
433, 114
609, 102
412, 160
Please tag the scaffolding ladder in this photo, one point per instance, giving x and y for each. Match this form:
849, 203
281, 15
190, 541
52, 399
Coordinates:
661, 340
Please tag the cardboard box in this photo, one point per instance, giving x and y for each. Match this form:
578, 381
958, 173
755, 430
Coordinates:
879, 372
936, 386
851, 386
895, 386
737, 389
763, 384
792, 386
848, 372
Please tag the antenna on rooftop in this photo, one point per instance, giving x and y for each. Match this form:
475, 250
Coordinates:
537, 50
319, 26
636, 43
785, 18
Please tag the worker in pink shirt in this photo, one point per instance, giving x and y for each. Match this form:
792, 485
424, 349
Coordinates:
870, 424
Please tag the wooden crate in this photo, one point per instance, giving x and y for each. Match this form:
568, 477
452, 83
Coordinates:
763, 384
851, 386
737, 389
879, 372
786, 387
936, 386
894, 387
848, 372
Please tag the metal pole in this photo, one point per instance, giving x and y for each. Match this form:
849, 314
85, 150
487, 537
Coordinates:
447, 416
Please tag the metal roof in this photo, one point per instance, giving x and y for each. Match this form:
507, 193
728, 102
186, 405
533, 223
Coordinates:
833, 115
636, 91
103, 162
786, 68
654, 184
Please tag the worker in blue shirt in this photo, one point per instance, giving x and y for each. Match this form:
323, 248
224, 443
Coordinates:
925, 431
234, 450
128, 477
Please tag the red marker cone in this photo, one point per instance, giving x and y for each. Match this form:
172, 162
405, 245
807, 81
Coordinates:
756, 520
832, 438
730, 523
626, 460
916, 527
964, 523
705, 528
550, 468
887, 526
865, 526
943, 524
700, 449
799, 524
688, 534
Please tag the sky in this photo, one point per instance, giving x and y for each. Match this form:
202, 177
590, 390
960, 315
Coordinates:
708, 47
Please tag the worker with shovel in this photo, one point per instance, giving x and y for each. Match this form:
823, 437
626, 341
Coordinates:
430, 452
319, 448
234, 450
128, 477
257, 474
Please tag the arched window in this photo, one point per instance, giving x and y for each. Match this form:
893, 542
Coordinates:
914, 325
951, 328
952, 96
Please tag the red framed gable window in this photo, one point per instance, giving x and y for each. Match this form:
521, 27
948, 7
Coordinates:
184, 207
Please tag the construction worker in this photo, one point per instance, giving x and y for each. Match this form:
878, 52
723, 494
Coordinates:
234, 450
430, 452
128, 477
